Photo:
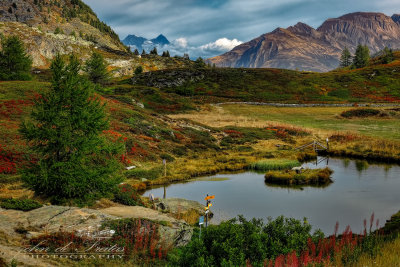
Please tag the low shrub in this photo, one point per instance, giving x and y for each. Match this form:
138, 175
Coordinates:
127, 195
307, 177
360, 113
20, 204
274, 164
139, 237
237, 242
149, 174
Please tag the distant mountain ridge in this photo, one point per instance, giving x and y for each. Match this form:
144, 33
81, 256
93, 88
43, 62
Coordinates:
305, 48
140, 43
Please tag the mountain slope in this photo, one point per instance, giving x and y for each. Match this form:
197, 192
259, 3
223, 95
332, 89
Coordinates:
376, 83
50, 27
303, 47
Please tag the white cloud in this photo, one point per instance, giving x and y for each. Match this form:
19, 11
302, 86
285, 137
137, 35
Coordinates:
181, 46
180, 42
222, 44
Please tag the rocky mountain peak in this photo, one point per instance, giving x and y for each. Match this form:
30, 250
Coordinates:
301, 28
161, 40
396, 18
303, 47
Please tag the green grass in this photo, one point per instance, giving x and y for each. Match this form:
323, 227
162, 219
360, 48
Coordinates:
321, 118
375, 83
274, 164
306, 177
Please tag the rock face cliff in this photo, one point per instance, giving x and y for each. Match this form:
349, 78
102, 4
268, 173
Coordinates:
305, 48
51, 27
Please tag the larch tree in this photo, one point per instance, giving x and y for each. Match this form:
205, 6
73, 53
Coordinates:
346, 58
75, 160
15, 63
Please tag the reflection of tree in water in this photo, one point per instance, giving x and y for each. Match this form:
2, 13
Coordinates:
346, 163
361, 165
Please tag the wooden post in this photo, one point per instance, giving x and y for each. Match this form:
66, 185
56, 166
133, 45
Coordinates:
206, 212
165, 167
327, 144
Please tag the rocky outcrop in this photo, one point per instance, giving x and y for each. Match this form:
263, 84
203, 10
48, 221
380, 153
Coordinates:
17, 10
179, 205
17, 227
36, 25
167, 79
305, 48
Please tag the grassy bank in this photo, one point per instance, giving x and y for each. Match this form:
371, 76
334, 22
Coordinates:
306, 177
274, 164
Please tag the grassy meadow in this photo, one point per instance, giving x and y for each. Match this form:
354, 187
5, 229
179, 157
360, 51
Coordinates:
319, 120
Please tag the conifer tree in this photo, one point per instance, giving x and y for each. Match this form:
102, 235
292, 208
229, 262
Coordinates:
154, 51
96, 68
136, 52
15, 64
345, 59
361, 58
388, 55
199, 63
138, 70
143, 52
65, 132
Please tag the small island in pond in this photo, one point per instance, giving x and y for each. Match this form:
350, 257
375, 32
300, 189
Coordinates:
298, 176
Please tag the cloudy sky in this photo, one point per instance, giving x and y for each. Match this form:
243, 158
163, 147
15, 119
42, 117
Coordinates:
212, 27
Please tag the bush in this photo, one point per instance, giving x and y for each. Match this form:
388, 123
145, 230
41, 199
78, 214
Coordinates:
20, 204
360, 113
234, 242
127, 195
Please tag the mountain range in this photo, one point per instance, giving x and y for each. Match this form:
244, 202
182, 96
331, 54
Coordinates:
305, 48
140, 43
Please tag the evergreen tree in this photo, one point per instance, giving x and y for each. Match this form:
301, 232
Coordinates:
199, 63
388, 55
136, 52
74, 160
166, 54
96, 67
345, 59
361, 58
154, 51
138, 70
143, 52
15, 64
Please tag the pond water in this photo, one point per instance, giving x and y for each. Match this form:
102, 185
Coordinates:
359, 189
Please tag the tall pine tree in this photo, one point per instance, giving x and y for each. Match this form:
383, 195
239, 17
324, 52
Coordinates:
361, 58
15, 64
65, 132
345, 59
96, 67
